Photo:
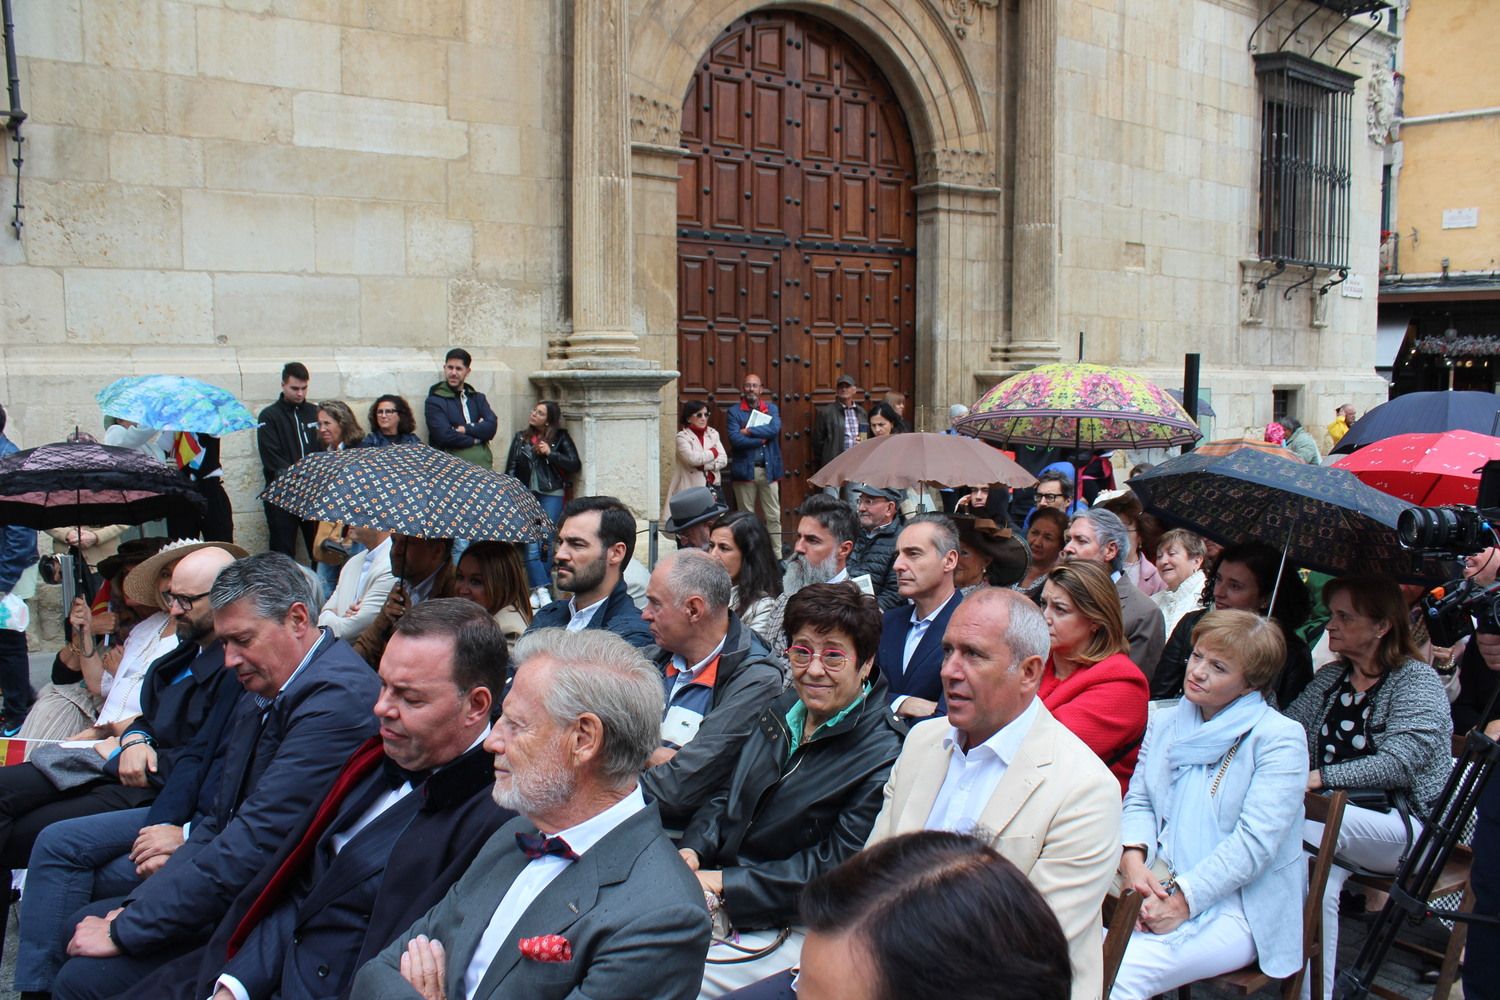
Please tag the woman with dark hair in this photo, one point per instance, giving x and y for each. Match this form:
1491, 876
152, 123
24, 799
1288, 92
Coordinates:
1089, 682
1045, 537
884, 420
701, 456
492, 575
1377, 723
1212, 824
740, 541
1244, 579
542, 456
391, 422
926, 916
805, 792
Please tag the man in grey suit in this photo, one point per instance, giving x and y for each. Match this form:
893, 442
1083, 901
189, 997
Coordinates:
582, 894
1098, 535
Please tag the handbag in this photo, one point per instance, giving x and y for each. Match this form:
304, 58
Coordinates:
328, 544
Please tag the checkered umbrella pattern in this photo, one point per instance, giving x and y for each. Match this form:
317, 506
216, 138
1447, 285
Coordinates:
413, 490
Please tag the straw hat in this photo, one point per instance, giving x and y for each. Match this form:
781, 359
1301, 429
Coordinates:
140, 585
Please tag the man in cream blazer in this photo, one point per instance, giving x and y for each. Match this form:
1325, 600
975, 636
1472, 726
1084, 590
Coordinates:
1002, 767
364, 583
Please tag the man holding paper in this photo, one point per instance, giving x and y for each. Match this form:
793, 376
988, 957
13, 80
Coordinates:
755, 467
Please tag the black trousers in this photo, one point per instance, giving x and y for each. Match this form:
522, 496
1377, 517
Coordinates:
217, 522
100, 978
282, 527
15, 676
1482, 956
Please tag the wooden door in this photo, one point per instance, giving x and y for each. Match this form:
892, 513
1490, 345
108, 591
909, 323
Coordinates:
796, 238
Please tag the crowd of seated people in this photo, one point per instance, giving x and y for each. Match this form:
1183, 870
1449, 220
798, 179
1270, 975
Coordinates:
760, 792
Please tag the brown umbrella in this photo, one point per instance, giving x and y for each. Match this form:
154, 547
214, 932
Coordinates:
1227, 446
907, 461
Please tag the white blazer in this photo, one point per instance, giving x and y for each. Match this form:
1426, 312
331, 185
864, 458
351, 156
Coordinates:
336, 614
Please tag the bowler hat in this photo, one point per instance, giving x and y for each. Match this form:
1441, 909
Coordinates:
1009, 555
691, 506
140, 585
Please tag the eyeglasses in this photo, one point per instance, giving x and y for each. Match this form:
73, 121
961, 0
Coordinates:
183, 601
386, 413
833, 658
1049, 497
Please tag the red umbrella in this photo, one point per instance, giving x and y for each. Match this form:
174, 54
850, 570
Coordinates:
1426, 469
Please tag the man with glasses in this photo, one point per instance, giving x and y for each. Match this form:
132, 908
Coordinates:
288, 431
1053, 490
755, 466
718, 676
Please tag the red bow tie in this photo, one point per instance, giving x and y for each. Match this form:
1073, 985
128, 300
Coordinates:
536, 846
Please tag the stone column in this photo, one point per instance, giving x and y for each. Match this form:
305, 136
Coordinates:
1034, 260
602, 252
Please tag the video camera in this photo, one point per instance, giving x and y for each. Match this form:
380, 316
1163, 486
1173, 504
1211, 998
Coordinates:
1458, 530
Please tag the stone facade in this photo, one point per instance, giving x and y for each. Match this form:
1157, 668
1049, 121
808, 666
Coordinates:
218, 186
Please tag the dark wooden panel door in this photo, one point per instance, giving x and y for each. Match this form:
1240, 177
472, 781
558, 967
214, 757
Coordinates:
796, 227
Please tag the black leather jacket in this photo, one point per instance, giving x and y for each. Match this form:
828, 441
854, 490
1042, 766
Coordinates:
783, 821
553, 471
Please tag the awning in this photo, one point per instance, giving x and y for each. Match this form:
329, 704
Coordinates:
1389, 336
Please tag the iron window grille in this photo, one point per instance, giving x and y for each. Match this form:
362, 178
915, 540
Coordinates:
1305, 175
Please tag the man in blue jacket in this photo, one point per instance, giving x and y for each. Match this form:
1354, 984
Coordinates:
595, 540
459, 418
755, 467
309, 708
17, 554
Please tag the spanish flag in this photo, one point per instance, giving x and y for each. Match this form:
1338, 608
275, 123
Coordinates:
186, 450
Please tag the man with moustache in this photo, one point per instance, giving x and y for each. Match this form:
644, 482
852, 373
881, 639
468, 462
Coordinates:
583, 894
826, 531
404, 818
595, 540
423, 568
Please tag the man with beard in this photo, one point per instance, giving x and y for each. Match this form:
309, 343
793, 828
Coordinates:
595, 540
718, 675
424, 570
826, 530
585, 894
405, 817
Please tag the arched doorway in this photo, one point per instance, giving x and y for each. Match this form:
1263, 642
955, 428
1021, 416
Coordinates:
796, 227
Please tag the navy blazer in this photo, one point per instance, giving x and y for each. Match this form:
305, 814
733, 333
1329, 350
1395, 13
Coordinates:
922, 677
619, 615
277, 763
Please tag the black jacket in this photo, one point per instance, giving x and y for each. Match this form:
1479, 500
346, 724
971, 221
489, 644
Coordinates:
783, 821
346, 907
273, 768
619, 615
747, 681
286, 434
828, 431
178, 695
553, 471
874, 553
1296, 671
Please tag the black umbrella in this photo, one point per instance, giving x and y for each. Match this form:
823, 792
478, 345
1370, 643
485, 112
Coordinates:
1317, 516
411, 489
77, 483
1424, 413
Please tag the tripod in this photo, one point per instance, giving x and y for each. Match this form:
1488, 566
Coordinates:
1423, 864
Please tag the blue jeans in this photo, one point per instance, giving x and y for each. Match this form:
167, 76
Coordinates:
73, 862
539, 554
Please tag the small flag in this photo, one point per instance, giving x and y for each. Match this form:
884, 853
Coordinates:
101, 599
13, 752
186, 450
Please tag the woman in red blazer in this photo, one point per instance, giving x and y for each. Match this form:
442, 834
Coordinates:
1090, 683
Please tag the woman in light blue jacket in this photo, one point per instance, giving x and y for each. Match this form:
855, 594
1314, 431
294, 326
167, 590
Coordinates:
1212, 825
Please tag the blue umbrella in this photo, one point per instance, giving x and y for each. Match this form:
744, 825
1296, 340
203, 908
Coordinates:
1318, 516
175, 403
1424, 413
1204, 410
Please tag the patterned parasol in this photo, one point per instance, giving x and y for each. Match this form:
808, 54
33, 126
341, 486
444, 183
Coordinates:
83, 482
1324, 518
1228, 446
1079, 406
904, 461
414, 490
1425, 469
175, 403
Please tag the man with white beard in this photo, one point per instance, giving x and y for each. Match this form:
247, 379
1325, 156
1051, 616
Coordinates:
826, 530
586, 894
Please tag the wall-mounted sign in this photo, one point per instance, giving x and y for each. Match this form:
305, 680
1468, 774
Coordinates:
1353, 287
1460, 218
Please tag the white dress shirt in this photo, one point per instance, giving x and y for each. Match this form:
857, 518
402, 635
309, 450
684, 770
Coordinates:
973, 776
535, 878
122, 693
578, 620
918, 629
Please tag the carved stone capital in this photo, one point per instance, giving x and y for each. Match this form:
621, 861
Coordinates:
969, 167
966, 14
654, 122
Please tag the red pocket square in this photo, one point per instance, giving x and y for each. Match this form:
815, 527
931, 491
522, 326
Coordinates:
546, 948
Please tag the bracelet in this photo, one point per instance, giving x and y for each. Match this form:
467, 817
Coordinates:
140, 738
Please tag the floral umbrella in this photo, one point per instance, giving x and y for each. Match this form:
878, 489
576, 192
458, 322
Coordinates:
1079, 406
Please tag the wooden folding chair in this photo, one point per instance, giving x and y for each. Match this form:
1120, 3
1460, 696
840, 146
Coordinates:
1120, 914
1328, 810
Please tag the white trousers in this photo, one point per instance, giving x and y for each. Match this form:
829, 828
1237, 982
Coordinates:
1159, 963
1368, 839
719, 979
